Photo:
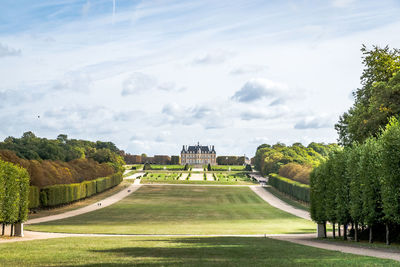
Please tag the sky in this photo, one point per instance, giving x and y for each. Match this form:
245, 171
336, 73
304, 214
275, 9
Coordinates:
152, 76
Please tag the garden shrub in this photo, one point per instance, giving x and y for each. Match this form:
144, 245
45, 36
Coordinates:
295, 189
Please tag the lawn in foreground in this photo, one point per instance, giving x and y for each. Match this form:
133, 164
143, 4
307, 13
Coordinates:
172, 251
170, 209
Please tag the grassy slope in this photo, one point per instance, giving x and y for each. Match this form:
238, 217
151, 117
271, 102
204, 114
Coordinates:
184, 210
204, 251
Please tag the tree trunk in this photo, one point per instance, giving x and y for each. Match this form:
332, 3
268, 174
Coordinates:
387, 234
356, 232
339, 232
324, 229
3, 228
345, 232
334, 231
370, 234
12, 230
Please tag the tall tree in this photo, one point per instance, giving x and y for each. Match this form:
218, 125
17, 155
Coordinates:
380, 64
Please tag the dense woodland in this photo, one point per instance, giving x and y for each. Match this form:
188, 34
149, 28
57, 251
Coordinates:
61, 160
294, 162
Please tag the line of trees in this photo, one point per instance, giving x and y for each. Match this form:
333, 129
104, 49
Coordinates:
230, 160
360, 186
294, 162
14, 191
48, 172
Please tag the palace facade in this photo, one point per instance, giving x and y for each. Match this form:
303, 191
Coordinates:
198, 155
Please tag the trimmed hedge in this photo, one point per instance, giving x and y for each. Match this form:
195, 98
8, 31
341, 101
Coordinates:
66, 193
14, 193
34, 197
295, 189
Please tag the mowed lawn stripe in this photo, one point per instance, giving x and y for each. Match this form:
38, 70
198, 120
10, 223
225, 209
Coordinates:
184, 210
167, 251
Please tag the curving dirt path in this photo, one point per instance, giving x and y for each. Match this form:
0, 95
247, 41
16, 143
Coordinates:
279, 204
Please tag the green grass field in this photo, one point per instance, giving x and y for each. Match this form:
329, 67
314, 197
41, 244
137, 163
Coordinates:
167, 251
174, 178
184, 210
228, 168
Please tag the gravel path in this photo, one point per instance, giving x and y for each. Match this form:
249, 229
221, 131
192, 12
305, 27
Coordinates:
277, 203
309, 240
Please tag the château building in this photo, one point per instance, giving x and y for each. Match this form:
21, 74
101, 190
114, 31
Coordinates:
198, 155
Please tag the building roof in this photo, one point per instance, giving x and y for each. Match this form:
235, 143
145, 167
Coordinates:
198, 149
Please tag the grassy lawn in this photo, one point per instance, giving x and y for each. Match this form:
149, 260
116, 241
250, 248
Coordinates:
167, 251
175, 178
184, 210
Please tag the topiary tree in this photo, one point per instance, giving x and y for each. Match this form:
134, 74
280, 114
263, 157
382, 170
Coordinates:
353, 173
342, 186
369, 180
317, 195
390, 184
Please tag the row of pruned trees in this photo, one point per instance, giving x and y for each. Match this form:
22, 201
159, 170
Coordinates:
14, 191
360, 185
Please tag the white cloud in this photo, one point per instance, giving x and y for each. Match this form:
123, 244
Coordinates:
247, 69
212, 58
342, 3
314, 122
6, 51
257, 89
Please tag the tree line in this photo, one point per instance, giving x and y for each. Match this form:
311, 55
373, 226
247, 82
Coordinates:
294, 162
31, 147
63, 160
360, 186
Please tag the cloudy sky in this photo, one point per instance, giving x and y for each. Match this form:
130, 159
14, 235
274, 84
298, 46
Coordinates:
151, 76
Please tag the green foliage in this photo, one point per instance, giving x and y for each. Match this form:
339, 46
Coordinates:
230, 160
290, 187
390, 189
47, 172
370, 165
14, 193
360, 184
269, 159
175, 160
248, 168
34, 199
377, 100
66, 193
31, 147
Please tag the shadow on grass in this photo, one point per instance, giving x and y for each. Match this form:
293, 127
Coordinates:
225, 251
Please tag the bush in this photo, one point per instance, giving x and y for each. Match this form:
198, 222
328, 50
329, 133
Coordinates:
34, 199
14, 193
295, 189
66, 193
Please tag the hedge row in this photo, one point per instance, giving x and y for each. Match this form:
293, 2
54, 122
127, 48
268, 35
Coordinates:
66, 193
34, 197
295, 189
14, 191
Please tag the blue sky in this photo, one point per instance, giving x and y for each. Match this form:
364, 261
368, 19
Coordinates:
154, 75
